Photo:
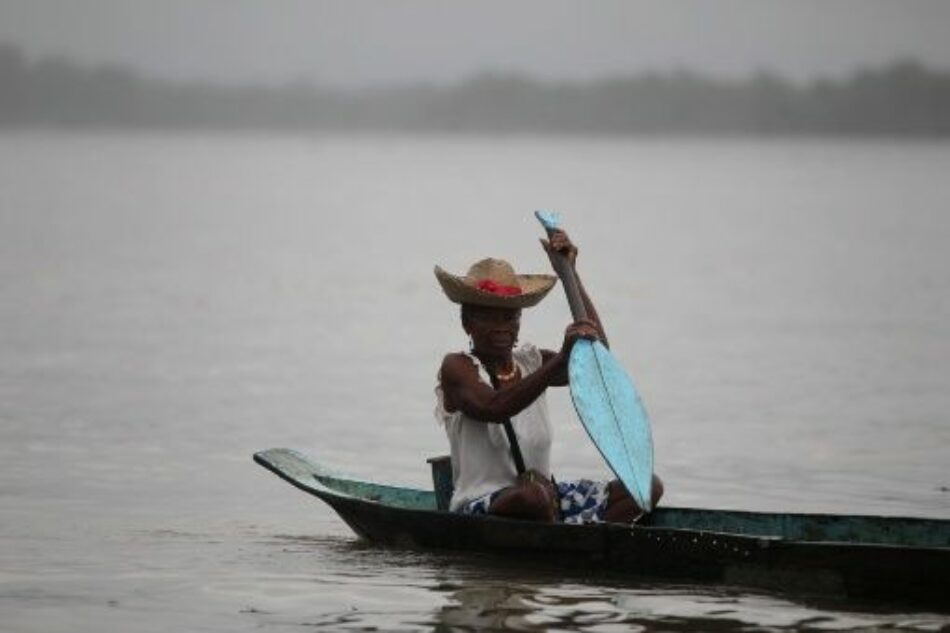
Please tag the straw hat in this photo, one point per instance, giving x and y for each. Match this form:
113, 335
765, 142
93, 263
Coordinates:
493, 282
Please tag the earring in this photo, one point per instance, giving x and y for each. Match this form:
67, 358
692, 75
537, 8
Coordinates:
471, 344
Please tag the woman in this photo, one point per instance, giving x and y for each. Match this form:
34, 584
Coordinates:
479, 391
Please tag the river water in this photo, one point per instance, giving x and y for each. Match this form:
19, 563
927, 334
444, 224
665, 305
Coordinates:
170, 304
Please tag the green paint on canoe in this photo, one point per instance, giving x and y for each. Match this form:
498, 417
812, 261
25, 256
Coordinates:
303, 473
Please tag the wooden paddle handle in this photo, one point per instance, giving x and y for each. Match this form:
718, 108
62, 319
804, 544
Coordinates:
563, 268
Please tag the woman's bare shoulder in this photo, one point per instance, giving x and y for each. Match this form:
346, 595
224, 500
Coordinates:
457, 366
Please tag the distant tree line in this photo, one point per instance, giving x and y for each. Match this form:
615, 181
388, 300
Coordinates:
901, 99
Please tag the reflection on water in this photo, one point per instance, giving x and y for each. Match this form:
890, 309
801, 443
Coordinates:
486, 607
525, 607
375, 588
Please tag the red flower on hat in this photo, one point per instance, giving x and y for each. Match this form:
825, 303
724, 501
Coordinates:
487, 285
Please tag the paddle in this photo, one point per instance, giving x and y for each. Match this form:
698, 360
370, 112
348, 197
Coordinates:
604, 396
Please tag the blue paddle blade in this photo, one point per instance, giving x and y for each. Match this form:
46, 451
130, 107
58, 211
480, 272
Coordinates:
550, 220
614, 417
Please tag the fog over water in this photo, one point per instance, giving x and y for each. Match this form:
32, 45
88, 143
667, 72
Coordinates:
372, 43
869, 68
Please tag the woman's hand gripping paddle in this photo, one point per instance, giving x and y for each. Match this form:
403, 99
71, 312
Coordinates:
604, 396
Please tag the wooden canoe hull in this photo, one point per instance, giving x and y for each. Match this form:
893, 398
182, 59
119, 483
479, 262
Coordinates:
667, 547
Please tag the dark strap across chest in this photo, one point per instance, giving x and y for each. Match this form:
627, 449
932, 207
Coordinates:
510, 433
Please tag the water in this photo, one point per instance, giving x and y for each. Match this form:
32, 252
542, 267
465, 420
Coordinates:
170, 304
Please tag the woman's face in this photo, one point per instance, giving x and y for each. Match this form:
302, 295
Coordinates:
494, 331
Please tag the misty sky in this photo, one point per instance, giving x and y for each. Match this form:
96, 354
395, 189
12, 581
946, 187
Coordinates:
354, 43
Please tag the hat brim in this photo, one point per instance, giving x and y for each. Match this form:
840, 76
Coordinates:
459, 290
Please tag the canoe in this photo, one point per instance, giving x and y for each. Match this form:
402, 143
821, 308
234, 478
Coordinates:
893, 560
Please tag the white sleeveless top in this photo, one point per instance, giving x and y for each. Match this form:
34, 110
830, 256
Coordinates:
481, 456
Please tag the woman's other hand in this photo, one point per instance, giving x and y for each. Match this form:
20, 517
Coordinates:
560, 243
